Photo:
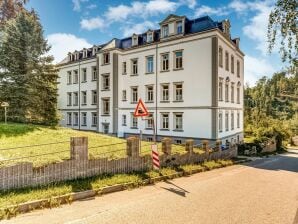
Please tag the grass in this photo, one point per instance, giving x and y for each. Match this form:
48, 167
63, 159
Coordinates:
17, 196
18, 135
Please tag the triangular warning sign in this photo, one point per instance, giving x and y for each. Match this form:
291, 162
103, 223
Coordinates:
141, 110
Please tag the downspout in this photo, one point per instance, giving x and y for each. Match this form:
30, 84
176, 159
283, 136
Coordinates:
79, 95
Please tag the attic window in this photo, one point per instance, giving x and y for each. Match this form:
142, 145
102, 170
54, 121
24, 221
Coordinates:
179, 27
165, 30
149, 37
134, 40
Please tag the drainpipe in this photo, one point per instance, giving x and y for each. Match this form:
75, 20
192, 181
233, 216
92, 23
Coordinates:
156, 91
79, 94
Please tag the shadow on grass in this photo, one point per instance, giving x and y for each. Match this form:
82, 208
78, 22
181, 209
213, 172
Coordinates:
18, 129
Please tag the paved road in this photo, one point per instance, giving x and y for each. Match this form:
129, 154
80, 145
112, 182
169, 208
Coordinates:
261, 192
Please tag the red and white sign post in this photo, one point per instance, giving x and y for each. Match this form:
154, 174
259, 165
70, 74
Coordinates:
141, 111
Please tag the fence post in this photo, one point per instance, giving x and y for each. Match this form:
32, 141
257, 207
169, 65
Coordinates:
132, 147
189, 146
205, 144
166, 146
218, 145
79, 148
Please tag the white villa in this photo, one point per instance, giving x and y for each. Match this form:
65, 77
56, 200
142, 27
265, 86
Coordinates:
189, 73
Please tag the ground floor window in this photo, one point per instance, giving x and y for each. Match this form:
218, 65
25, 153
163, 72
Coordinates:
75, 119
84, 118
94, 119
69, 118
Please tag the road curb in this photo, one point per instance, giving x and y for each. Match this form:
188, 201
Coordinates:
76, 196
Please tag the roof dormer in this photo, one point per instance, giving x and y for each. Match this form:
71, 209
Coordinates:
150, 36
226, 28
134, 40
172, 25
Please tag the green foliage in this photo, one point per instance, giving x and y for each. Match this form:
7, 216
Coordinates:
28, 78
283, 22
271, 108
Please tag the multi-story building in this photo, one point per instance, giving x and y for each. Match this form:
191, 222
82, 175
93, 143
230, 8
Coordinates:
189, 73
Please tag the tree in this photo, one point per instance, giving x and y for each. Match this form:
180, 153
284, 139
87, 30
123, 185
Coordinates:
28, 78
10, 8
283, 21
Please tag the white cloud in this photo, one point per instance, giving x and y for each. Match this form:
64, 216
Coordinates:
256, 29
77, 4
239, 6
206, 10
255, 68
137, 28
190, 3
92, 24
143, 9
62, 43
91, 6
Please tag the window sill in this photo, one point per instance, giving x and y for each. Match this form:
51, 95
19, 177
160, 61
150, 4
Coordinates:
68, 124
124, 125
105, 115
178, 101
75, 83
84, 125
133, 128
69, 105
75, 105
149, 73
103, 64
178, 130
124, 100
83, 81
69, 84
124, 73
105, 90
164, 129
75, 125
93, 125
94, 104
164, 101
178, 69
134, 75
149, 101
84, 104
133, 102
148, 128
162, 71
94, 80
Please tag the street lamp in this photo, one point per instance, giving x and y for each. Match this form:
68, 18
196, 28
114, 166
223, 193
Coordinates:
5, 105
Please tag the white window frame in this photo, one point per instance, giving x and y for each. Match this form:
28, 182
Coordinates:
75, 119
238, 94
176, 122
134, 121
232, 120
165, 92
75, 77
178, 60
176, 89
69, 118
105, 82
165, 30
149, 121
227, 92
227, 121
149, 34
84, 118
220, 56
238, 119
165, 62
94, 73
124, 68
105, 106
94, 97
84, 97
220, 90
220, 122
238, 68
150, 94
232, 64
227, 63
94, 119
150, 64
84, 75
179, 24
232, 92
165, 121
75, 98
134, 66
124, 120
134, 94
69, 78
69, 99
124, 95
106, 58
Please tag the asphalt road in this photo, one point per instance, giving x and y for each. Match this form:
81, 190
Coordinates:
263, 191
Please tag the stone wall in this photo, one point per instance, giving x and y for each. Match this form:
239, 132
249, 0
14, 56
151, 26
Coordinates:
79, 166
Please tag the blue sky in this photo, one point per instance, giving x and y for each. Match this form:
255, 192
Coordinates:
75, 24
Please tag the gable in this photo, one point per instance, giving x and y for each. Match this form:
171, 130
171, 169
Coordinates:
172, 18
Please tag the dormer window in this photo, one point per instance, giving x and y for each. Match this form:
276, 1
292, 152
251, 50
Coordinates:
149, 37
179, 27
135, 40
94, 50
106, 58
165, 30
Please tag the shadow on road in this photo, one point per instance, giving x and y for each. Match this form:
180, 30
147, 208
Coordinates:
287, 162
177, 190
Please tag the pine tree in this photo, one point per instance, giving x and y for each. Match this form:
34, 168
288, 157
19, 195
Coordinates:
28, 78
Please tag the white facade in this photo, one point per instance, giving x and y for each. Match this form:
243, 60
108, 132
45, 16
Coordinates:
179, 75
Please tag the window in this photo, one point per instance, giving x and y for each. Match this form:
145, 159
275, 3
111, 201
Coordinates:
238, 94
165, 62
220, 57
75, 119
94, 97
178, 92
105, 82
220, 90
179, 27
106, 58
164, 121
124, 120
165, 92
232, 121
149, 37
105, 106
94, 73
69, 99
238, 68
69, 78
69, 119
227, 121
124, 98
75, 77
238, 120
232, 92
178, 60
135, 40
149, 64
84, 75
220, 122
149, 94
134, 94
227, 61
227, 92
84, 118
178, 122
75, 99
134, 121
84, 98
232, 64
165, 30
134, 63
149, 121
124, 70
94, 119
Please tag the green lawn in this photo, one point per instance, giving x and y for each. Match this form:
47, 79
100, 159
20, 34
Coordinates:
19, 135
